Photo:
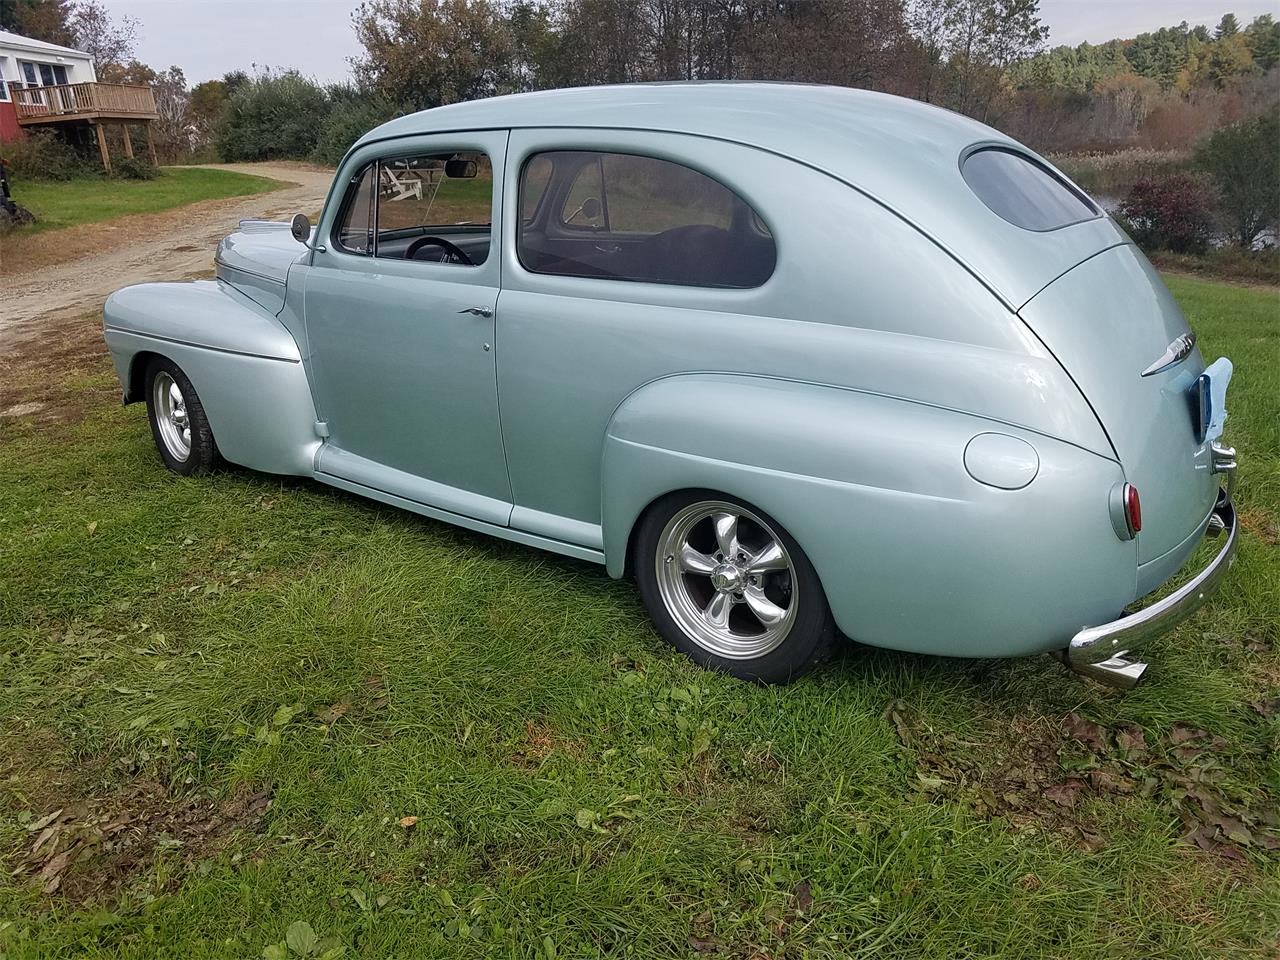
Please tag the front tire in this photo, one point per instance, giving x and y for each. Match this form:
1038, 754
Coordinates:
178, 422
725, 584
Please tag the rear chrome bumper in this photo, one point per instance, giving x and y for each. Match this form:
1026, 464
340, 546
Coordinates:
1098, 652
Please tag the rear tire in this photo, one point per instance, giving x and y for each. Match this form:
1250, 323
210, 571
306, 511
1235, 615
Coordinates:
178, 422
726, 585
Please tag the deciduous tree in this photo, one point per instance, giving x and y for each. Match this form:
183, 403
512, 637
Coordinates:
109, 41
1244, 161
431, 52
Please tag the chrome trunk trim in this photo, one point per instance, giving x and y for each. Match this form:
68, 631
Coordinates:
1173, 354
1096, 646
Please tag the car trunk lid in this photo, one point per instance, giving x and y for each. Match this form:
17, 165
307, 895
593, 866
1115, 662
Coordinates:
1107, 321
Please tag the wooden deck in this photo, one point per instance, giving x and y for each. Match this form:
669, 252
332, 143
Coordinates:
94, 102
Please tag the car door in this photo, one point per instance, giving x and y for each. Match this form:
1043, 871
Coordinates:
400, 325
624, 263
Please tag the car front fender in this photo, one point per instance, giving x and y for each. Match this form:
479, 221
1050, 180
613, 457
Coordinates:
913, 552
243, 363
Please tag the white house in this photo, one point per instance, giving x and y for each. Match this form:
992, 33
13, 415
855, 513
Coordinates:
26, 63
35, 63
57, 88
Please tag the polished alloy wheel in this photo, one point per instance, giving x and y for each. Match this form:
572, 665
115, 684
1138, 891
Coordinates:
171, 416
726, 579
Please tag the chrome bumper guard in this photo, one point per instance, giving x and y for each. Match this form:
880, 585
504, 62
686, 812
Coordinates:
1098, 652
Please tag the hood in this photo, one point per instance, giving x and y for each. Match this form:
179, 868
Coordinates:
256, 261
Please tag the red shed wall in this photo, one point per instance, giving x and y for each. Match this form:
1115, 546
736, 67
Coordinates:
9, 129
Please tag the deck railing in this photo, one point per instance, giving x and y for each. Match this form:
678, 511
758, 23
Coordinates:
83, 99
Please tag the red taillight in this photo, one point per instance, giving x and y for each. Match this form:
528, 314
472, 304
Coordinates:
1132, 508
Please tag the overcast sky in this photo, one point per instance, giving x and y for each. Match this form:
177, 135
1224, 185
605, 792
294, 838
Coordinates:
209, 37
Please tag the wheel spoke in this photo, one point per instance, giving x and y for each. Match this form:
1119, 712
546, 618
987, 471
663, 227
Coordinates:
765, 610
769, 559
175, 396
695, 561
726, 525
717, 611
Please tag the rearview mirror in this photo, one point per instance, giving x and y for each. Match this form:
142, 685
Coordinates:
591, 208
461, 169
300, 227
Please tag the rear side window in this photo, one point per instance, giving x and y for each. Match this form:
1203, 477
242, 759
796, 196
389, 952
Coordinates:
615, 216
1023, 192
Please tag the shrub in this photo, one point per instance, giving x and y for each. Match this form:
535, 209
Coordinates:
273, 116
134, 168
1225, 263
351, 118
1244, 161
1174, 212
1113, 172
45, 156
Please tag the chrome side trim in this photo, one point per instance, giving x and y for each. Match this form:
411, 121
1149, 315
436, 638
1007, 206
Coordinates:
1096, 645
1175, 352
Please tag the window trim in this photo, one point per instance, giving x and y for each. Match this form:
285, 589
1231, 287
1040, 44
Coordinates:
995, 146
584, 229
353, 187
518, 233
348, 199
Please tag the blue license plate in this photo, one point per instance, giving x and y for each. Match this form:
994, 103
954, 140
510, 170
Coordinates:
1209, 395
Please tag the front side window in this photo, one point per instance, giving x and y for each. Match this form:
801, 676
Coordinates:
626, 217
435, 207
1023, 192
355, 227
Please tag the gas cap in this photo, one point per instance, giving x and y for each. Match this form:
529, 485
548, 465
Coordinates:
999, 460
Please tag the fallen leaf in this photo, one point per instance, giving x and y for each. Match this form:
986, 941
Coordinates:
92, 527
1203, 837
51, 874
804, 896
44, 821
1181, 733
1086, 731
1131, 739
893, 713
332, 713
1064, 794
1103, 781
1093, 842
408, 822
1266, 708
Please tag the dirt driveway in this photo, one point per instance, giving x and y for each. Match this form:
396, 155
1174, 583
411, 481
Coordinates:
61, 275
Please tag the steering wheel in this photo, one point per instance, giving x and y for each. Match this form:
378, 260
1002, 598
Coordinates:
453, 253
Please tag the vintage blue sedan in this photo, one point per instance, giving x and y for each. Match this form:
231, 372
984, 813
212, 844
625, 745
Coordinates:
803, 361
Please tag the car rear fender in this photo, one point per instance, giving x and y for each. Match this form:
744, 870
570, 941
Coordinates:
912, 551
242, 362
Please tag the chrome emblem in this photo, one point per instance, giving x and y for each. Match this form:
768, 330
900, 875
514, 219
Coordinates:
1173, 353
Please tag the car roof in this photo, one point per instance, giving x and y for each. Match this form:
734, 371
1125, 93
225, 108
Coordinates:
903, 153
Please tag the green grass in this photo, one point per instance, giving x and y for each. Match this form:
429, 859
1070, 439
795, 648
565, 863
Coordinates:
71, 203
581, 791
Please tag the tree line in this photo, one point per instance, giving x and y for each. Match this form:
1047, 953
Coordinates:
985, 58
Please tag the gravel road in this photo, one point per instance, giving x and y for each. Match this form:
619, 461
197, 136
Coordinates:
57, 277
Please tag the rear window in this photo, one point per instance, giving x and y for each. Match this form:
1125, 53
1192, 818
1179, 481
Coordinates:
1022, 191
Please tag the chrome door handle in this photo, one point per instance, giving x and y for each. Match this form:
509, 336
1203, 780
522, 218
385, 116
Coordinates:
477, 311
